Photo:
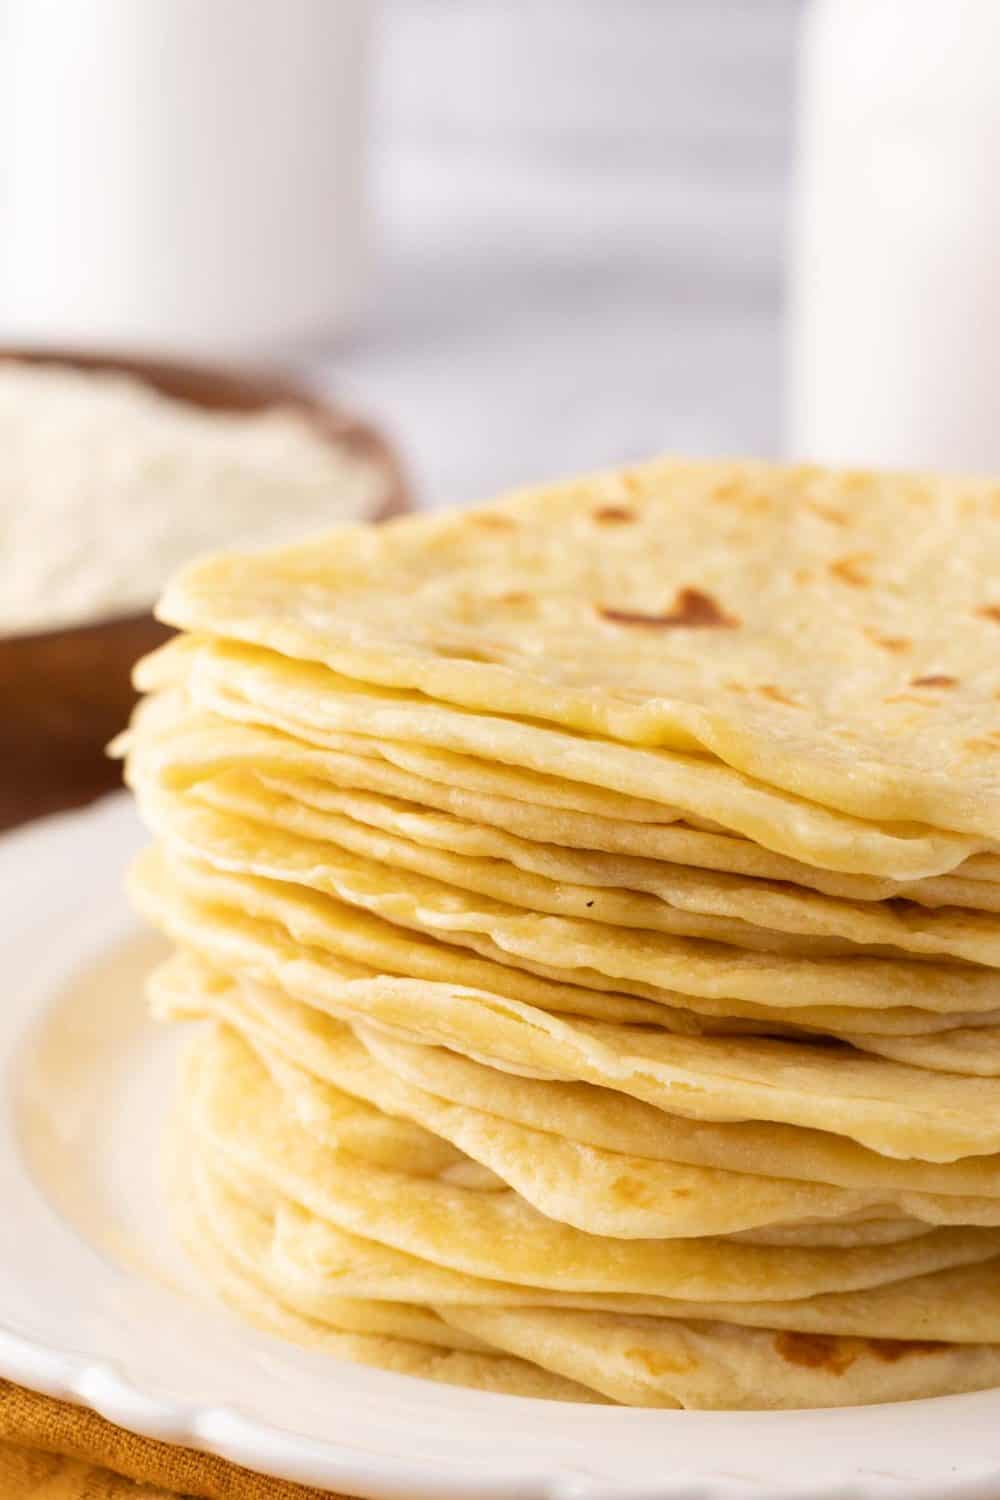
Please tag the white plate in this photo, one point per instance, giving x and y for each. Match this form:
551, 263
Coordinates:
96, 1306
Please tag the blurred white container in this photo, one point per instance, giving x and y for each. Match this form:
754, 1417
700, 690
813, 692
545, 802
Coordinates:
895, 268
181, 175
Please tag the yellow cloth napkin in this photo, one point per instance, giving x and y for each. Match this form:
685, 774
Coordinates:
50, 1450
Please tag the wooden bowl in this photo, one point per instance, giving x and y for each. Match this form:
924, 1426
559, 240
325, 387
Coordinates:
66, 692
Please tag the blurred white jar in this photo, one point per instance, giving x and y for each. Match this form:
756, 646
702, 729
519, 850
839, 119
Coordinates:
895, 267
181, 175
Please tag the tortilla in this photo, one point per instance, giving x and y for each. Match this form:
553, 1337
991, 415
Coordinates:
625, 957
182, 745
323, 1070
591, 910
756, 914
238, 1110
410, 1341
830, 633
184, 986
658, 1362
248, 685
894, 1109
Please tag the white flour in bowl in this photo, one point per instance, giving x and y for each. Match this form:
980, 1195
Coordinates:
106, 487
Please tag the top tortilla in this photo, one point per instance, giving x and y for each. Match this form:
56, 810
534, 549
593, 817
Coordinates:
833, 634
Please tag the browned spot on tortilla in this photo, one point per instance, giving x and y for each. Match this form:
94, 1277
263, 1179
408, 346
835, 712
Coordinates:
890, 1351
659, 1363
693, 609
729, 489
776, 694
851, 569
934, 680
468, 653
517, 596
829, 513
816, 1351
758, 504
491, 521
630, 1189
614, 515
632, 483
990, 743
989, 612
894, 643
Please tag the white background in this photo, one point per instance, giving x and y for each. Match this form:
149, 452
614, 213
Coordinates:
580, 209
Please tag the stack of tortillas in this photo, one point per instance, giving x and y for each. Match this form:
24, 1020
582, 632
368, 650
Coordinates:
595, 902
